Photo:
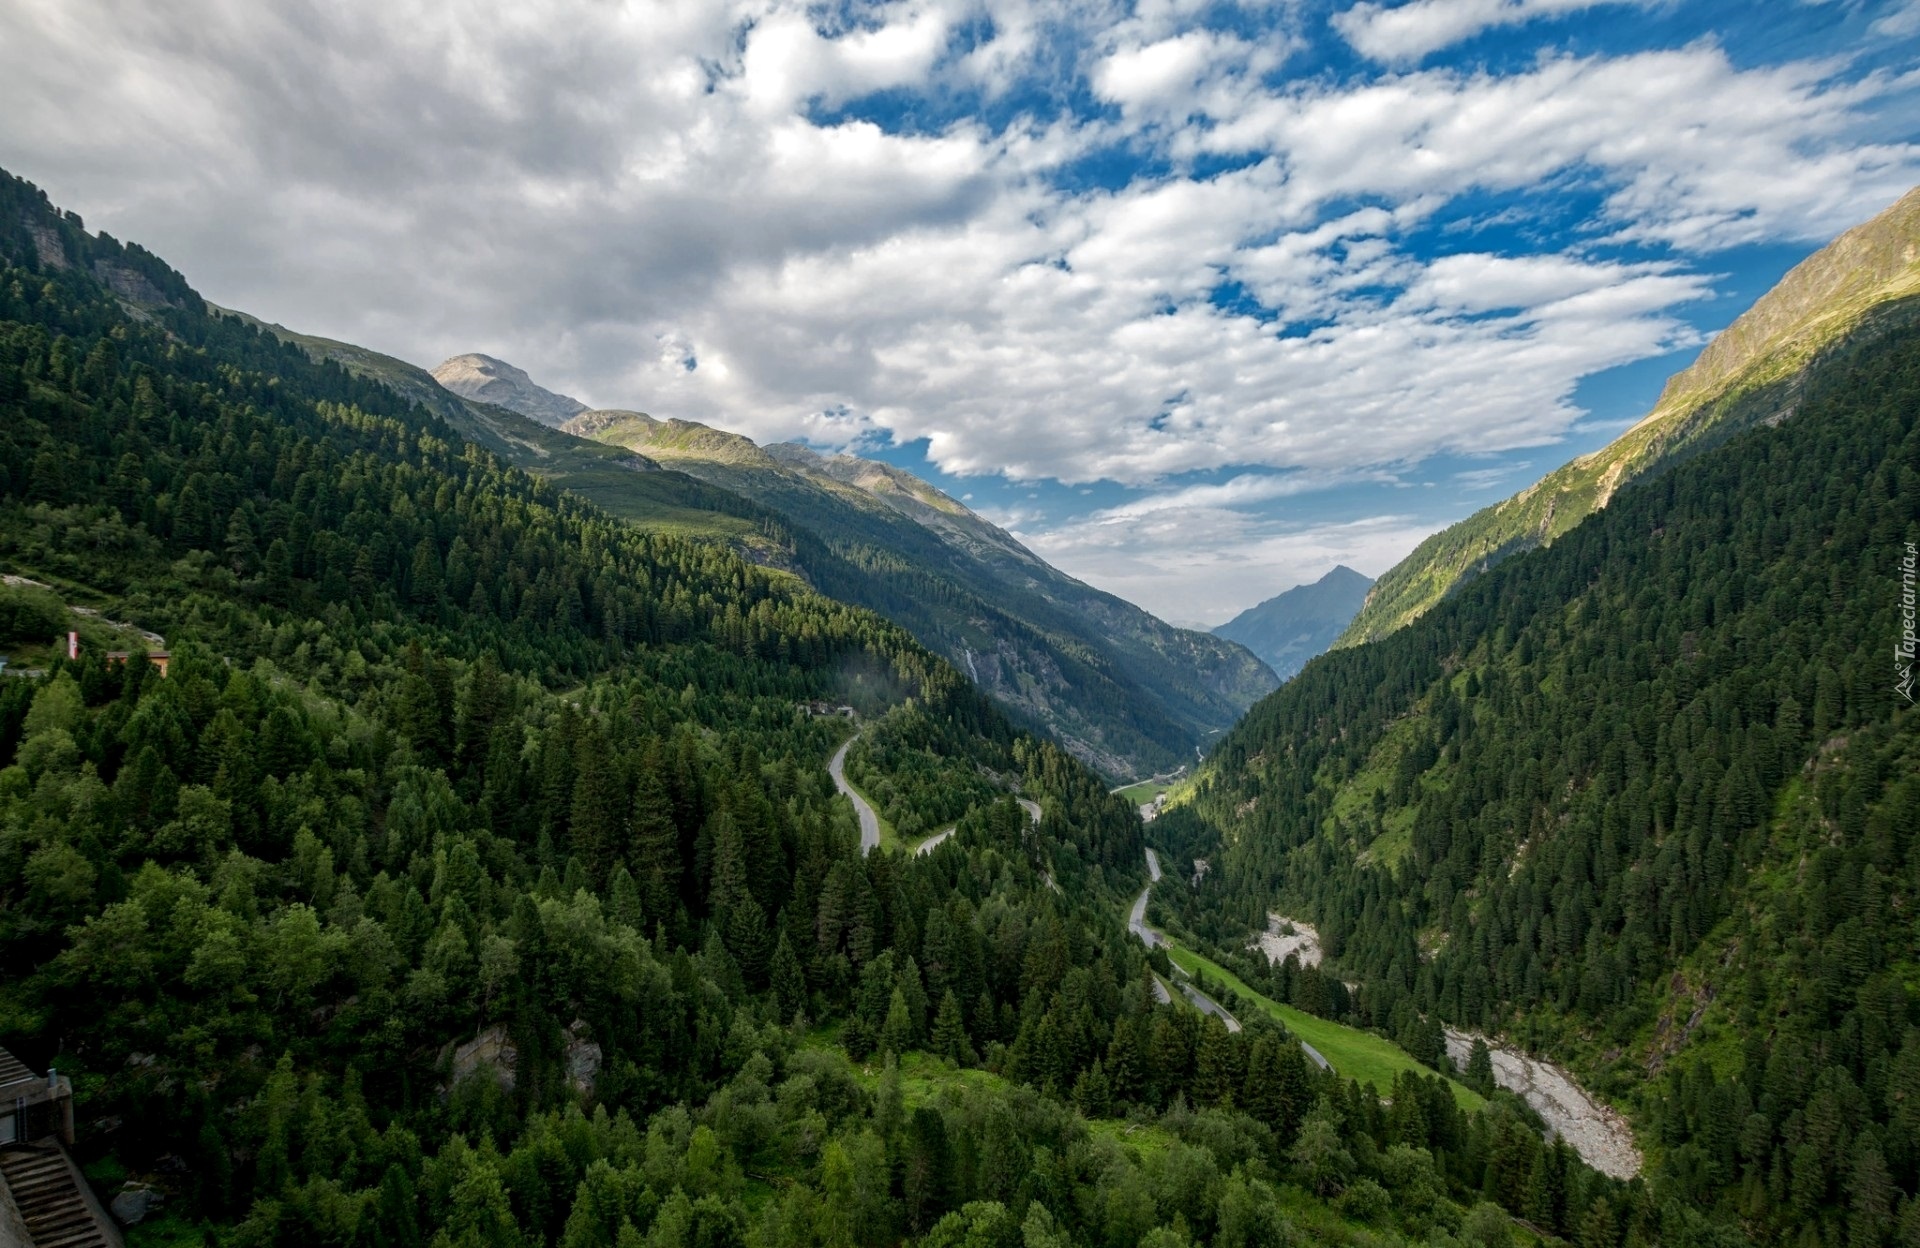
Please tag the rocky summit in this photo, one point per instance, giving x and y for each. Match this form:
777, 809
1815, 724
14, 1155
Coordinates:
487, 380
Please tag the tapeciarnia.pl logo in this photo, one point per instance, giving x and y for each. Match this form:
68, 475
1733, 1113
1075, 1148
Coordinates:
1903, 649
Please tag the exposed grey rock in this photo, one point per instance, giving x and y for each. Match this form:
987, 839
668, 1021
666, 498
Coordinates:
130, 285
1596, 1131
134, 1202
491, 1051
487, 380
47, 245
583, 1058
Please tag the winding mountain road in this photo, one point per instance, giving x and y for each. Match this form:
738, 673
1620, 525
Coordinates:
1207, 1005
933, 842
1137, 919
1137, 924
869, 821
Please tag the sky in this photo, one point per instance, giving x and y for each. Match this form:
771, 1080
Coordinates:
1197, 299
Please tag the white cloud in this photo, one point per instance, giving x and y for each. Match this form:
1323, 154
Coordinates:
1901, 20
604, 194
1409, 32
1206, 565
1700, 154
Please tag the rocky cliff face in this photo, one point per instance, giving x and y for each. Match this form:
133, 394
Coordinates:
487, 380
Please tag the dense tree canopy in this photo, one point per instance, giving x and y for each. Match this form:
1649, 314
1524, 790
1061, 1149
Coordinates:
1648, 798
473, 875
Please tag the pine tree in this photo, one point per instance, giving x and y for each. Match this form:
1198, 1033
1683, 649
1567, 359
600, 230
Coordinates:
1479, 1074
1125, 1065
599, 804
926, 1177
1214, 1083
908, 978
950, 1032
896, 1034
1597, 1229
1092, 1093
737, 917
1872, 1196
654, 844
623, 900
788, 981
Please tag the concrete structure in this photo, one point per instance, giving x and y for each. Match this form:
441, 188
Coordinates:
33, 1106
44, 1199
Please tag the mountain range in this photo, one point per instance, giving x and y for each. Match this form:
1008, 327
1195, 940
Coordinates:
495, 862
1125, 692
475, 866
1292, 627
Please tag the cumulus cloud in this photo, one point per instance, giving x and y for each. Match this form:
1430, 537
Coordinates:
698, 208
1698, 153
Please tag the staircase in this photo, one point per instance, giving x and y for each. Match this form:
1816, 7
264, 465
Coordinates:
46, 1190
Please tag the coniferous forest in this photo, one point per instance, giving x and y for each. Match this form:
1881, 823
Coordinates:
472, 874
1649, 799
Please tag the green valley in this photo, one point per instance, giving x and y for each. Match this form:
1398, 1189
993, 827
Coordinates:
472, 874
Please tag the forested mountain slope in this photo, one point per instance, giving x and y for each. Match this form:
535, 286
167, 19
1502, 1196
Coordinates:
1647, 800
1864, 284
1124, 691
629, 486
472, 875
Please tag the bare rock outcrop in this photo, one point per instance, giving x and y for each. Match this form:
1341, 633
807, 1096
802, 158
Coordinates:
1285, 938
1597, 1132
490, 1051
487, 380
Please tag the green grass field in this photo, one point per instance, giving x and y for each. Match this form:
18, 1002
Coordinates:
1146, 790
1354, 1054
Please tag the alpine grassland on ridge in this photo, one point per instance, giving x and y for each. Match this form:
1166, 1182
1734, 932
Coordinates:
1864, 284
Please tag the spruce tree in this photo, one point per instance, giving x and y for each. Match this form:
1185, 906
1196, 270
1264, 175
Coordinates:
788, 981
623, 900
896, 1034
654, 843
950, 1032
1092, 1093
1479, 1074
736, 916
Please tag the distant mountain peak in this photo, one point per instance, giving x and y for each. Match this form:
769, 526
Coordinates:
1292, 627
487, 380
